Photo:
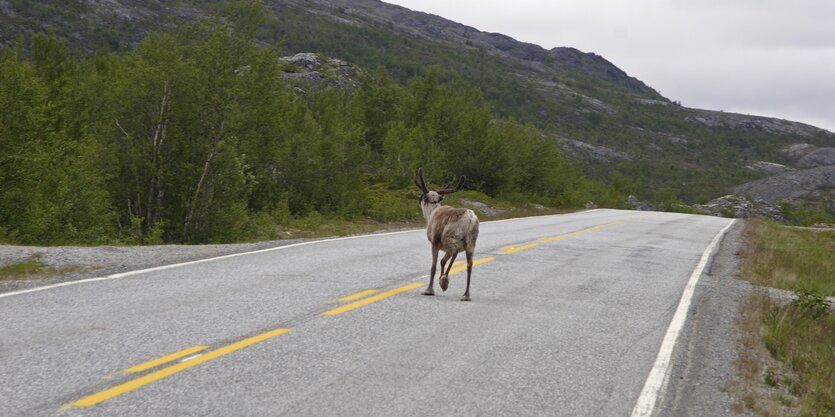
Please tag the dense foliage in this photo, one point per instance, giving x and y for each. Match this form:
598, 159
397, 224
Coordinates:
194, 136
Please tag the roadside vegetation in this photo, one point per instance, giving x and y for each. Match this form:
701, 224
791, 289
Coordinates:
22, 269
790, 258
194, 137
34, 267
787, 359
809, 214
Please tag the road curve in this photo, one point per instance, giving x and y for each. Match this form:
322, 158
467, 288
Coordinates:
567, 318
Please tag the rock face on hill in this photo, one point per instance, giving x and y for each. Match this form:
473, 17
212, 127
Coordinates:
770, 168
319, 71
806, 184
809, 156
816, 183
722, 120
741, 207
595, 153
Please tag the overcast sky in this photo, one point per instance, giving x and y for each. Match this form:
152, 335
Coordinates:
766, 57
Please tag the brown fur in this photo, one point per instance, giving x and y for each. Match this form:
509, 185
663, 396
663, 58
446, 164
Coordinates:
449, 229
452, 230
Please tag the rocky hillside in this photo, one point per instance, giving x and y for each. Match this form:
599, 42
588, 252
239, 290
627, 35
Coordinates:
608, 120
811, 184
808, 156
814, 182
803, 186
435, 28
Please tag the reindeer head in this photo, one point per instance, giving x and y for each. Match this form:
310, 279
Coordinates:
431, 199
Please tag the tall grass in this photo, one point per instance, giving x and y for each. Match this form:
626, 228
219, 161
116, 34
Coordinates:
788, 348
27, 267
788, 358
790, 258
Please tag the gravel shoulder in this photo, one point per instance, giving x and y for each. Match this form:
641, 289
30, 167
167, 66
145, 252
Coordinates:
70, 263
704, 362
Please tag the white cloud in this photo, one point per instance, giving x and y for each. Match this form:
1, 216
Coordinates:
768, 57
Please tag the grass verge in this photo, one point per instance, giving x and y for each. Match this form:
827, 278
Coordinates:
787, 356
23, 269
34, 267
789, 258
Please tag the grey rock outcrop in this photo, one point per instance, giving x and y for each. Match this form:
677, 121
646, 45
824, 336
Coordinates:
771, 168
595, 153
810, 156
307, 60
481, 207
653, 102
597, 105
723, 120
740, 207
806, 184
314, 69
637, 204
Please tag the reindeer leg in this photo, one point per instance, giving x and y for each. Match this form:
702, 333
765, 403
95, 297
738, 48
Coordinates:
430, 290
451, 261
445, 273
443, 263
444, 278
466, 296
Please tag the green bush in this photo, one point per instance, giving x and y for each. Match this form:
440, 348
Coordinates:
388, 205
810, 303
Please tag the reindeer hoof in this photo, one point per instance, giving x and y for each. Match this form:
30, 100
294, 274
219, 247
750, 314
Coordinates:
465, 298
444, 282
428, 291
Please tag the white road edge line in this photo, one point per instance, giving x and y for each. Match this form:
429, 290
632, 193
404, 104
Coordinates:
217, 258
657, 378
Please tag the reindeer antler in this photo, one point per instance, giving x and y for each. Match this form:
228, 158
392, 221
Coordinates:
420, 182
447, 190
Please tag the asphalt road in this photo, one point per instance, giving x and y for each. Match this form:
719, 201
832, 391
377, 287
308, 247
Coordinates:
567, 318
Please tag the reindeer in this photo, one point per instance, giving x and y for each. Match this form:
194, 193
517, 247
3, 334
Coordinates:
449, 229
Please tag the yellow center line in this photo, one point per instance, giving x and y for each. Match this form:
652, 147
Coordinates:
476, 262
365, 301
549, 239
358, 295
165, 359
383, 295
134, 384
173, 369
561, 237
514, 249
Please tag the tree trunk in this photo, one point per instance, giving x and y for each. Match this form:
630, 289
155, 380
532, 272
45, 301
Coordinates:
155, 188
215, 142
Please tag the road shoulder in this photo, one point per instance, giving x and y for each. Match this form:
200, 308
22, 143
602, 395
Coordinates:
73, 263
703, 365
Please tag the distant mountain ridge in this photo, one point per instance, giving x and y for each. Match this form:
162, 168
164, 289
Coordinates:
433, 27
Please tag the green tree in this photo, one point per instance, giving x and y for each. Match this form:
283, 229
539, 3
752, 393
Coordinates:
52, 190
